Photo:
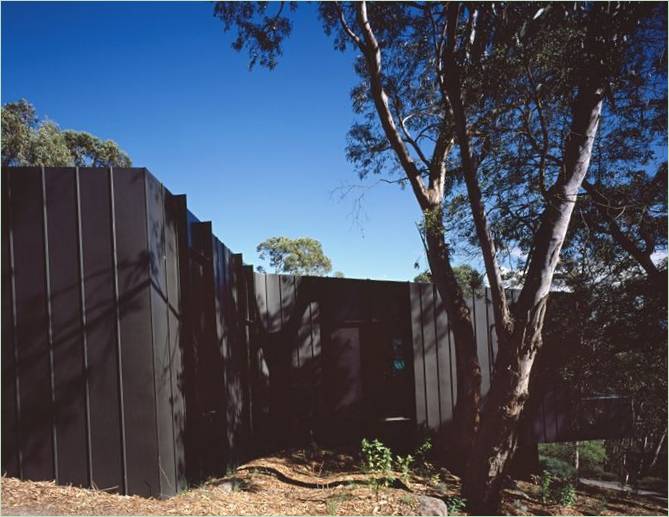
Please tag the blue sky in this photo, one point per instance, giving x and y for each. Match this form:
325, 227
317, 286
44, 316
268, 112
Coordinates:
258, 153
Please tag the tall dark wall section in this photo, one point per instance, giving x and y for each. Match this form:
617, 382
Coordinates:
91, 346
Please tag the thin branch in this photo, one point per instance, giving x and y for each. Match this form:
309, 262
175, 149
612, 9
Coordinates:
600, 202
372, 53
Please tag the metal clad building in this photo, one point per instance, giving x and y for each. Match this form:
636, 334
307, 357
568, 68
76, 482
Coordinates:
140, 355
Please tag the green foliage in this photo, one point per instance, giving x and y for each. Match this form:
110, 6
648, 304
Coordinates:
455, 504
28, 141
404, 465
302, 256
592, 457
423, 450
563, 492
557, 468
377, 460
469, 279
556, 489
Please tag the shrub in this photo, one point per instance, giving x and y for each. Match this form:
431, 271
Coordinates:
557, 468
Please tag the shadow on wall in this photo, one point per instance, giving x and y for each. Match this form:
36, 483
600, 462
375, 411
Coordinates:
322, 361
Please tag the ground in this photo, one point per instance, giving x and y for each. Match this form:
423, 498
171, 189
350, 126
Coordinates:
302, 483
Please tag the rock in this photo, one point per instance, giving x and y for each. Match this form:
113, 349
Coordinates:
230, 485
431, 506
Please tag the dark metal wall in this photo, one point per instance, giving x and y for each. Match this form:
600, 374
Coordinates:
139, 354
91, 315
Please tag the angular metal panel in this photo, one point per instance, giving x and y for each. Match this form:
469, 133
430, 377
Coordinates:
343, 385
430, 357
418, 353
10, 416
273, 301
67, 333
175, 239
100, 314
155, 221
32, 341
137, 363
446, 361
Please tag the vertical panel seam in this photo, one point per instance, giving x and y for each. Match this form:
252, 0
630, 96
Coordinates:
83, 323
47, 285
119, 354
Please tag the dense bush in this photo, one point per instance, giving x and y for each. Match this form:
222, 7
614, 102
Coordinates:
557, 467
592, 457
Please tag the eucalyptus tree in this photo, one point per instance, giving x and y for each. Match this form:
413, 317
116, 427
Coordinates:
452, 99
27, 140
301, 256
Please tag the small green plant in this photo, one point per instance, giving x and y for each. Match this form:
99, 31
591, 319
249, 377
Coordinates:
563, 492
404, 466
377, 457
455, 504
423, 450
377, 460
556, 489
544, 483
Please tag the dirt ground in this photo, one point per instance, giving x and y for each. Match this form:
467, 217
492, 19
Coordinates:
298, 483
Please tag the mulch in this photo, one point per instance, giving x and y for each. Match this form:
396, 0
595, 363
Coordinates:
298, 483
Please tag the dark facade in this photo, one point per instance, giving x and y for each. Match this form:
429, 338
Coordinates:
139, 354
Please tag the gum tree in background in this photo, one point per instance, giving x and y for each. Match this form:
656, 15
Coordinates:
480, 108
28, 141
301, 256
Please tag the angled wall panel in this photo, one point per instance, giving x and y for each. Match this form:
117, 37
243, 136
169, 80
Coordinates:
10, 415
136, 336
97, 263
34, 353
66, 327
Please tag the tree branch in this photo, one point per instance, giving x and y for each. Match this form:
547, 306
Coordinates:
451, 91
372, 52
601, 204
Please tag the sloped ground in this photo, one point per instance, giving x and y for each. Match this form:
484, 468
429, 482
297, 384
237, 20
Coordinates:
297, 483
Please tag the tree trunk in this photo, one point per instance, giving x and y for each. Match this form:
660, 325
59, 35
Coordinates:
467, 408
498, 435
